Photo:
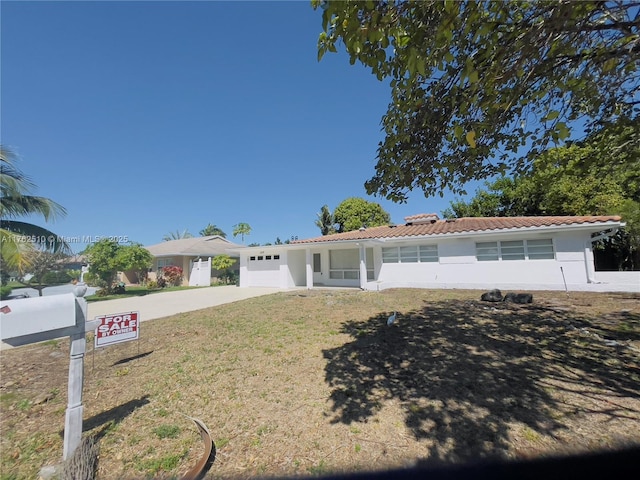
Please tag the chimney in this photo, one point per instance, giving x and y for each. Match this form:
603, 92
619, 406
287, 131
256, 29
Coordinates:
422, 218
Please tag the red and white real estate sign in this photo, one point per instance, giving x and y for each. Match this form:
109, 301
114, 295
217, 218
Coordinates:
116, 328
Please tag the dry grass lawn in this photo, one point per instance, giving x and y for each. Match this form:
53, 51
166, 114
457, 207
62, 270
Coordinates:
313, 382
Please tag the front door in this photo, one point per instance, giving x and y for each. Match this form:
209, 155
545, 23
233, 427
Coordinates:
318, 274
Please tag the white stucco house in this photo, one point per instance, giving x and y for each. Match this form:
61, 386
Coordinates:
527, 253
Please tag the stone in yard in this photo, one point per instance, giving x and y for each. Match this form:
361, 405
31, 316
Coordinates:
492, 296
42, 398
518, 297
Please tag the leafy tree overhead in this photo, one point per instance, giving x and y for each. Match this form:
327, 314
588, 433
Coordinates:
177, 235
325, 221
580, 179
241, 229
19, 239
212, 230
476, 83
354, 213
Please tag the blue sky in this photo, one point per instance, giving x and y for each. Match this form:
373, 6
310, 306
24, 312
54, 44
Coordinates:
143, 118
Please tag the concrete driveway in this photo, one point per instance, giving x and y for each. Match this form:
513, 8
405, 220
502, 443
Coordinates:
165, 304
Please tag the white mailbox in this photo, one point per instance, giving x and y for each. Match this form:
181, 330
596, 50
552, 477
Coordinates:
30, 316
33, 320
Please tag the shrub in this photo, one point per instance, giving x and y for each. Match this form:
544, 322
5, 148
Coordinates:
92, 280
172, 274
5, 291
229, 277
56, 278
151, 284
75, 274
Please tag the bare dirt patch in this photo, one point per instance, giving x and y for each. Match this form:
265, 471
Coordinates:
312, 382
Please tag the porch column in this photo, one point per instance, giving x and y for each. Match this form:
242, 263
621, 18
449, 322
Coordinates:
589, 262
363, 267
309, 268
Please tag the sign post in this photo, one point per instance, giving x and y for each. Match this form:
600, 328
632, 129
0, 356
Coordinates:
32, 320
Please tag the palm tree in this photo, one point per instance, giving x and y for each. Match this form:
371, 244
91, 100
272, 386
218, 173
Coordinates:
20, 238
241, 229
177, 235
212, 230
325, 221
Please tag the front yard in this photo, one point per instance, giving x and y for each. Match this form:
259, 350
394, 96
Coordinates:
312, 382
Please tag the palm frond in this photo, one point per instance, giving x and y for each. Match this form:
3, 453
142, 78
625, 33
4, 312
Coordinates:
12, 180
15, 253
40, 236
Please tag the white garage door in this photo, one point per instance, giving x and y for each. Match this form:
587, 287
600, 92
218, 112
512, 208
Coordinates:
264, 271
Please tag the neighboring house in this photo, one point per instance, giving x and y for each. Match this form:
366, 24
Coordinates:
541, 253
187, 251
73, 262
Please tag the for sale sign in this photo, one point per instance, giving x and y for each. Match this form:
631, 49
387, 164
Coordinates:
116, 328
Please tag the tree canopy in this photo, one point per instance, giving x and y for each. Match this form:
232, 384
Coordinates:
480, 88
212, 230
325, 221
19, 240
177, 235
241, 229
107, 257
579, 179
354, 213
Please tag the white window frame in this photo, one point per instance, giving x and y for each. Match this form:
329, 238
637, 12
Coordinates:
350, 272
427, 253
166, 262
510, 250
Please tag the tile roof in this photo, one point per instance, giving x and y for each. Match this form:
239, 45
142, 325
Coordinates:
462, 225
203, 246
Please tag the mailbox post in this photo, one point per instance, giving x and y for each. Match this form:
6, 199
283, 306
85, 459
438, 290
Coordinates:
34, 320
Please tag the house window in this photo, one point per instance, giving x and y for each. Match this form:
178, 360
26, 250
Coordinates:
164, 262
512, 250
345, 264
317, 266
268, 257
541, 249
252, 258
260, 257
428, 253
390, 255
410, 254
487, 251
276, 257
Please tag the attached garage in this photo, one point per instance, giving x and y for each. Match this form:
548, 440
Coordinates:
263, 270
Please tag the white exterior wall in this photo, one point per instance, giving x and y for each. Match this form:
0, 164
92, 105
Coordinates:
295, 268
458, 267
623, 278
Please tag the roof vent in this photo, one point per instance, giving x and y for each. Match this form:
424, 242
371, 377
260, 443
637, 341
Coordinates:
422, 218
362, 228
